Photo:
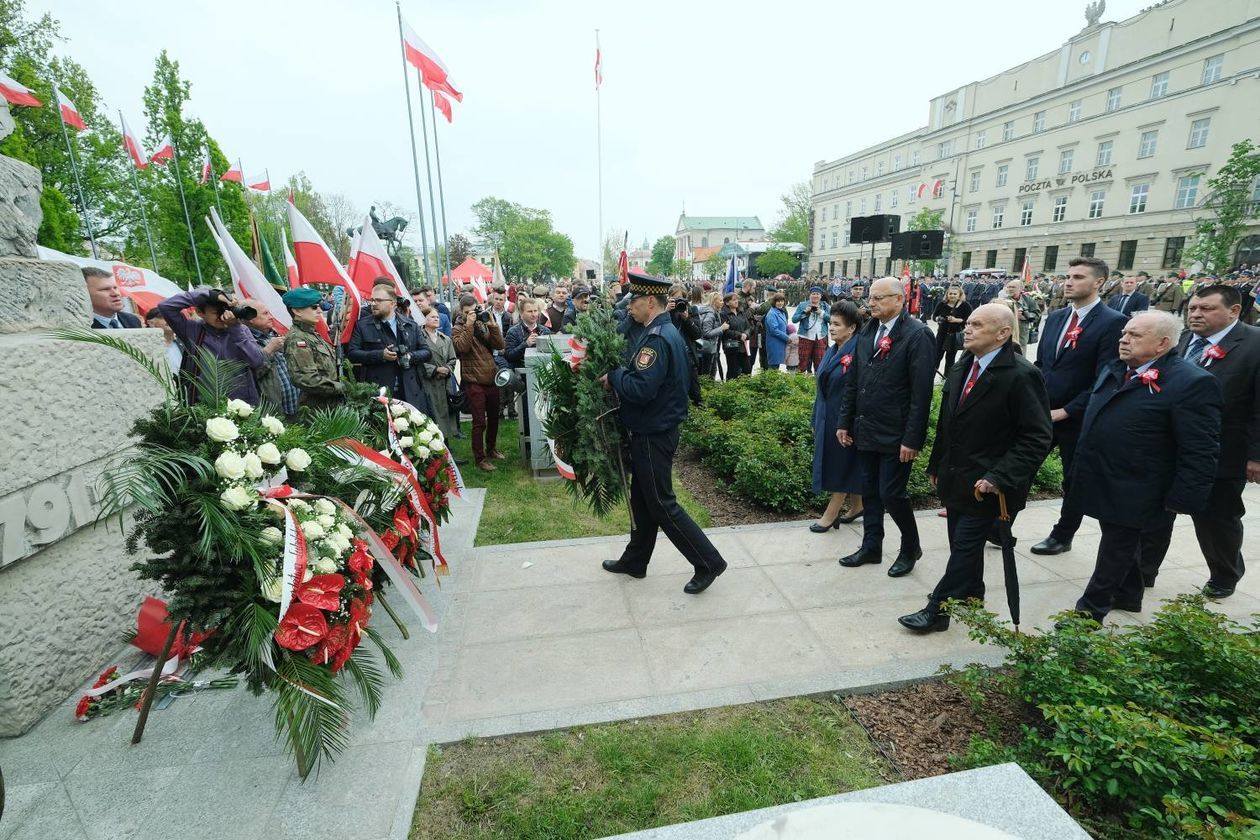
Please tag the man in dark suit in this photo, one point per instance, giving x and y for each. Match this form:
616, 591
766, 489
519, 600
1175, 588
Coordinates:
107, 302
1219, 342
884, 413
1148, 446
1129, 299
389, 349
1076, 341
992, 434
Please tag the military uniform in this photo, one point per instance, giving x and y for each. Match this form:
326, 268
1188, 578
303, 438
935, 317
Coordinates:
312, 360
1055, 299
652, 387
1110, 289
1168, 296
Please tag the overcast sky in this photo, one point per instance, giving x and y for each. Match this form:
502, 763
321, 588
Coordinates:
718, 105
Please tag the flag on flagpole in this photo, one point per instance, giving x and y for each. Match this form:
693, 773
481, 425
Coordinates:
432, 71
262, 182
443, 104
134, 150
731, 276
1026, 274
69, 112
369, 260
599, 68
248, 278
16, 93
205, 169
234, 173
623, 263
290, 264
165, 151
316, 264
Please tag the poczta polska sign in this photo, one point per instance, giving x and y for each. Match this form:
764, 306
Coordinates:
1065, 180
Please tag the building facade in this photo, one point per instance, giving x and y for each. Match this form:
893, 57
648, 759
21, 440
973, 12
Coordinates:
695, 232
1102, 148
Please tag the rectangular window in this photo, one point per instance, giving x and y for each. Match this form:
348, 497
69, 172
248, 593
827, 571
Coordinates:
1051, 260
990, 259
1147, 142
973, 184
862, 206
1199, 133
1065, 161
824, 214
844, 268
1096, 203
999, 213
1001, 174
1128, 250
892, 198
864, 171
879, 169
1025, 214
850, 176
822, 241
1087, 249
845, 236
1008, 131
966, 260
981, 138
914, 158
1137, 198
1113, 100
1212, 68
1039, 122
1104, 154
834, 237
1187, 192
944, 149
1173, 247
971, 220
848, 209
1060, 208
1159, 85
879, 202
1074, 111
1017, 264
896, 162
912, 194
1030, 168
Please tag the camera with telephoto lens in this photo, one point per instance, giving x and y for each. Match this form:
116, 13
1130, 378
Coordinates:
680, 304
219, 300
404, 357
483, 315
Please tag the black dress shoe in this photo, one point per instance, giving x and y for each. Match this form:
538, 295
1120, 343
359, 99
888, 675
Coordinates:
925, 621
1135, 607
623, 567
1211, 590
849, 517
701, 581
822, 529
861, 557
904, 564
1052, 546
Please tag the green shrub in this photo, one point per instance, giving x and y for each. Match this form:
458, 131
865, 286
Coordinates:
1153, 728
755, 433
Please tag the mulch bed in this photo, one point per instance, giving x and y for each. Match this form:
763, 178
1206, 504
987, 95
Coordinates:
724, 508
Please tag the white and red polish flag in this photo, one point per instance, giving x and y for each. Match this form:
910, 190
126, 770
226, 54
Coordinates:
132, 145
443, 104
317, 264
248, 277
290, 264
432, 71
165, 151
16, 93
69, 111
369, 260
234, 173
599, 68
1026, 274
261, 182
205, 169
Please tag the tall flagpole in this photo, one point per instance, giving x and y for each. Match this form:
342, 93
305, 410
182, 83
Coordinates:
437, 152
599, 152
214, 182
424, 237
428, 171
74, 170
179, 182
135, 182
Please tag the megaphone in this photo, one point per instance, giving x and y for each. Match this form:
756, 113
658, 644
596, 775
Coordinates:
508, 378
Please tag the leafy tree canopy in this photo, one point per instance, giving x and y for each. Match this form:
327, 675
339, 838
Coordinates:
662, 256
528, 245
793, 224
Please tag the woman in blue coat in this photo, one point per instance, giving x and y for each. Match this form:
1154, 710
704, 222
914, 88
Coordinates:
776, 331
837, 469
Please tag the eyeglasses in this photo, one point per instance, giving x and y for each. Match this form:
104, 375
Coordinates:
380, 300
883, 297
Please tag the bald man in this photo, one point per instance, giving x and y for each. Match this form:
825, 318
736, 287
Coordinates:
884, 414
992, 434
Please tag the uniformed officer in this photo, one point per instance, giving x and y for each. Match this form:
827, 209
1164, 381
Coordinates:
312, 360
1168, 296
652, 387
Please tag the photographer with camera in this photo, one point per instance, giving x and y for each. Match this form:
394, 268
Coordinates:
476, 337
812, 317
388, 348
220, 330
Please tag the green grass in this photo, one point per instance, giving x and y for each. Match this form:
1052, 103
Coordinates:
601, 780
521, 508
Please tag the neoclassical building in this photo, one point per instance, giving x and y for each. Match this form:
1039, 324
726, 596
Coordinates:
1103, 147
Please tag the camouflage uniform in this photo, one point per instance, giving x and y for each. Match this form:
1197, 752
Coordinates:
313, 367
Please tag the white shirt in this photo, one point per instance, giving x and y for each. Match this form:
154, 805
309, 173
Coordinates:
888, 328
988, 357
1081, 312
1212, 340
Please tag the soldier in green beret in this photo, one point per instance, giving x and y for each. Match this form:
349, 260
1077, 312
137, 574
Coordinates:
312, 360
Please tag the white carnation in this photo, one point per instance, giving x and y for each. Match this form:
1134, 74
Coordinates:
417, 418
326, 520
297, 460
240, 408
438, 442
273, 589
325, 507
401, 424
231, 466
272, 425
345, 532
405, 442
237, 497
268, 453
253, 465
312, 530
221, 429
271, 535
300, 504
325, 566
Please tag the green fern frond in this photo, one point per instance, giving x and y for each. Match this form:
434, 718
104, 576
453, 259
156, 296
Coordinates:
391, 661
150, 478
310, 709
158, 370
367, 678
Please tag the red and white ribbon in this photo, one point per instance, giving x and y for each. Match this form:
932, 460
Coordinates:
169, 669
457, 480
563, 468
579, 352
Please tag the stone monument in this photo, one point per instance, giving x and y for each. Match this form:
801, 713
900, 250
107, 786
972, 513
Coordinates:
66, 593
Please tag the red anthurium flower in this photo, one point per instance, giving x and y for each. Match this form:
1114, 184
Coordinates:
323, 591
302, 626
360, 561
330, 646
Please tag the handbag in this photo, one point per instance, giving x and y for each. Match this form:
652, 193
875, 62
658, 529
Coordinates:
456, 399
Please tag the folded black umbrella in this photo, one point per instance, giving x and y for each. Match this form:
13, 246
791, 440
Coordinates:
1009, 573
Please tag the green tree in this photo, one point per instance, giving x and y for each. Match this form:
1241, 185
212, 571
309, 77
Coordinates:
459, 248
715, 267
793, 224
777, 261
528, 245
680, 269
925, 219
1229, 203
662, 256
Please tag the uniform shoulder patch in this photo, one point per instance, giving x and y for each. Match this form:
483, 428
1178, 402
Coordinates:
301, 344
645, 358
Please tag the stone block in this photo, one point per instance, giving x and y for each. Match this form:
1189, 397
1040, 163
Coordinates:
40, 294
20, 213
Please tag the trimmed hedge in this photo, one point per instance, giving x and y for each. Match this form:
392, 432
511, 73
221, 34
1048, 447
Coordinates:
755, 433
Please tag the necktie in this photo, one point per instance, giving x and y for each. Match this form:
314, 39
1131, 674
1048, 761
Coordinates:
1195, 351
114, 325
971, 383
883, 331
1128, 374
1072, 322
1124, 301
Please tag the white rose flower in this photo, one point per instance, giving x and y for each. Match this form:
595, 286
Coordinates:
438, 443
272, 535
272, 424
325, 566
326, 521
221, 429
425, 436
345, 532
401, 424
272, 590
297, 460
237, 497
422, 452
398, 409
417, 418
312, 530
300, 504
240, 408
231, 466
253, 465
405, 442
268, 453
324, 506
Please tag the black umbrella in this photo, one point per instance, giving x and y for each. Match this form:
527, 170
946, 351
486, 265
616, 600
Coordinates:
1007, 540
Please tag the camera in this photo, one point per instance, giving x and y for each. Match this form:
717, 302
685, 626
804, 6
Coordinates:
680, 304
219, 300
404, 357
483, 315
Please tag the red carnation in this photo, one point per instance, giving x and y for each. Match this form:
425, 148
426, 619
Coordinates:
301, 627
81, 710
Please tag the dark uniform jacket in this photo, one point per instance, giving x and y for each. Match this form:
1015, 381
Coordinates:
1239, 375
652, 384
367, 350
515, 341
1001, 433
887, 400
312, 367
1070, 374
1144, 451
